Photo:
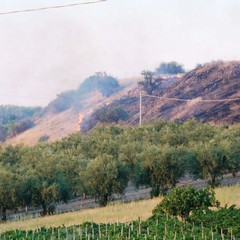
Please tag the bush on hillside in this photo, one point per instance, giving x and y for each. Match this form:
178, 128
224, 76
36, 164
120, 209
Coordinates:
111, 114
15, 128
170, 68
63, 101
107, 85
43, 138
10, 113
14, 120
3, 132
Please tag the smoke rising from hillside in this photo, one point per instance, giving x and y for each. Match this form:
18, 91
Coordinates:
45, 53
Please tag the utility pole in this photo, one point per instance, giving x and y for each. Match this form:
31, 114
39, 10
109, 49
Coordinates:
140, 109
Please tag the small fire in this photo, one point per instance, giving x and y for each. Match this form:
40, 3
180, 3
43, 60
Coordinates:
80, 119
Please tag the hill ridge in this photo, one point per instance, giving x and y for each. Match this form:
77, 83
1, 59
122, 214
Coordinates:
216, 80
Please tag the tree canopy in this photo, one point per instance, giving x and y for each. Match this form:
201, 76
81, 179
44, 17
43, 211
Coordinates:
102, 162
150, 82
170, 68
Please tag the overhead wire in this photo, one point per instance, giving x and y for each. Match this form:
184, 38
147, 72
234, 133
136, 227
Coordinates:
195, 99
51, 7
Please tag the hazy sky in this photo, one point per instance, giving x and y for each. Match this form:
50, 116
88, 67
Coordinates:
44, 53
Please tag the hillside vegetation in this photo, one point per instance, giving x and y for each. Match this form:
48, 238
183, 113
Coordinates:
64, 114
216, 80
15, 120
100, 98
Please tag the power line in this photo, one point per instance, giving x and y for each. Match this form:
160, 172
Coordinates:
180, 100
195, 99
50, 7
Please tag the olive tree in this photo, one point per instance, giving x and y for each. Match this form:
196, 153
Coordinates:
8, 198
105, 176
165, 167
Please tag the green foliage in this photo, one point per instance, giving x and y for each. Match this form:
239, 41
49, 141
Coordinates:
211, 162
161, 227
182, 201
10, 113
43, 181
14, 119
111, 114
11, 155
8, 186
3, 132
222, 220
165, 167
170, 68
106, 176
155, 155
15, 128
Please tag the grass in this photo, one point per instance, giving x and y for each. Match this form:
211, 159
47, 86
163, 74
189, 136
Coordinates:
229, 195
111, 213
114, 212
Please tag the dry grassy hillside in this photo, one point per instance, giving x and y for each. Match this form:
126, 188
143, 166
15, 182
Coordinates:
217, 80
59, 125
55, 126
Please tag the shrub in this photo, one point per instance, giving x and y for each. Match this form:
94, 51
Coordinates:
43, 138
19, 127
111, 114
3, 132
170, 68
63, 102
182, 201
107, 85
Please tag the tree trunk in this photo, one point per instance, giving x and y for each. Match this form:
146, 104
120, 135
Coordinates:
213, 182
103, 200
155, 191
44, 206
4, 214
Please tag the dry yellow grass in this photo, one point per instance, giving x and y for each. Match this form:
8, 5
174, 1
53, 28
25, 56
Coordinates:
56, 126
229, 195
114, 212
111, 213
